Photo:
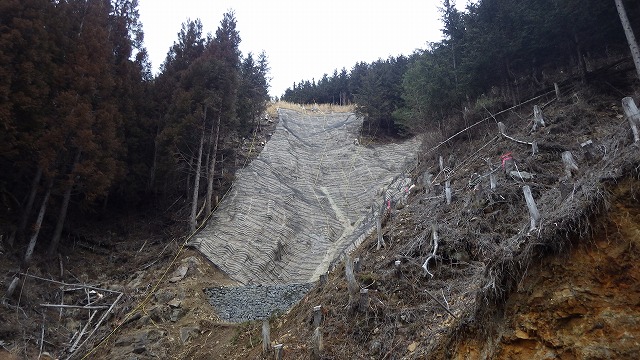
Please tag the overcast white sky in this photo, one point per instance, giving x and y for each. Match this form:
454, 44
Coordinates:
302, 39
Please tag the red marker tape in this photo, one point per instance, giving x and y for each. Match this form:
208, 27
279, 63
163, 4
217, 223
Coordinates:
506, 157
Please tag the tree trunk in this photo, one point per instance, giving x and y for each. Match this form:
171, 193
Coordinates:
154, 165
631, 39
32, 197
212, 167
38, 224
582, 65
188, 185
196, 186
53, 246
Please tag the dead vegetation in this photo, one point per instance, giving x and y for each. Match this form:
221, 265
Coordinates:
313, 108
485, 244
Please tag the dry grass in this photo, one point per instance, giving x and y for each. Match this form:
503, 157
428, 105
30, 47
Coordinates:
273, 107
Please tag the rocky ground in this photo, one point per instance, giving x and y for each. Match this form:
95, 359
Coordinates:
254, 302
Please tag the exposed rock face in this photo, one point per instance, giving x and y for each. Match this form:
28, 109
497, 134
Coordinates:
582, 305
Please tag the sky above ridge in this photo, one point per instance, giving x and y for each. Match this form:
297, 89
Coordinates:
302, 39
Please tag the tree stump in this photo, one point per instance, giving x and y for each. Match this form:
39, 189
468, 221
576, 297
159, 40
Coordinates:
379, 232
278, 350
569, 163
538, 119
323, 278
352, 285
531, 205
364, 300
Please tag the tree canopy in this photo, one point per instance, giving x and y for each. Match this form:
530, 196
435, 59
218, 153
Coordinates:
503, 49
84, 124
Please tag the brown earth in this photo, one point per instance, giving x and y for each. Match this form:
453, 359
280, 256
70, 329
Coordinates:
584, 304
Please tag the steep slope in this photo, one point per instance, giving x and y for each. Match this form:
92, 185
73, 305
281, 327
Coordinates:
311, 194
581, 304
565, 289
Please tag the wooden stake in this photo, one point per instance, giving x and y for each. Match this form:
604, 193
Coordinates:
356, 265
441, 164
632, 113
352, 285
557, 88
364, 300
492, 177
317, 316
426, 181
502, 128
379, 232
278, 349
266, 336
534, 147
397, 268
533, 209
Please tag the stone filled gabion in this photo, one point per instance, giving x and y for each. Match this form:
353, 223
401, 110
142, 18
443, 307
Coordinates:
254, 302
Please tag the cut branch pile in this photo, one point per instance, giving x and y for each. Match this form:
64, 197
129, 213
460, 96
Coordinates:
89, 305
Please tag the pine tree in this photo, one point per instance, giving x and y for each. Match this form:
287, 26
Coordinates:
84, 137
26, 65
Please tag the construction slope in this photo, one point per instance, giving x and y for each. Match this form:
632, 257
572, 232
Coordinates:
310, 195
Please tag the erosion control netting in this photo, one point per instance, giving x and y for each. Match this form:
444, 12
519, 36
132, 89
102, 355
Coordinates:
310, 195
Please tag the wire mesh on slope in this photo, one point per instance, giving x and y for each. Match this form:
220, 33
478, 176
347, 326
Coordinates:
308, 196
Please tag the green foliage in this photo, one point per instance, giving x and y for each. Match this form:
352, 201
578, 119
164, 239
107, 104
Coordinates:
253, 93
507, 45
79, 105
337, 89
504, 47
380, 95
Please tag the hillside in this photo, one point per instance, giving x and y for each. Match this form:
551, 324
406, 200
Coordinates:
566, 289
